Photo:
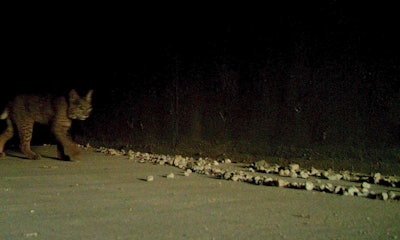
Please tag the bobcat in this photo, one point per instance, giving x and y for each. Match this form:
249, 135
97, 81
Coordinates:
57, 111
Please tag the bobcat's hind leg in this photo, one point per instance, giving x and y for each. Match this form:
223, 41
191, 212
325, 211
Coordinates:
5, 136
26, 149
25, 137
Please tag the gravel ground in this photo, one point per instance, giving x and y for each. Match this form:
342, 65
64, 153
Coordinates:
110, 194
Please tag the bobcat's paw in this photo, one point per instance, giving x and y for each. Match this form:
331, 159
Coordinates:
2, 154
73, 153
35, 156
71, 158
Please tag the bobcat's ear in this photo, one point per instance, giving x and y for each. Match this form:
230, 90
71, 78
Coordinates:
89, 95
73, 94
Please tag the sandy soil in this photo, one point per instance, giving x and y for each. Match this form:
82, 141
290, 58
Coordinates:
108, 197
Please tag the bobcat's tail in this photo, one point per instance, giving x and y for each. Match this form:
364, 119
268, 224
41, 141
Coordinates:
4, 114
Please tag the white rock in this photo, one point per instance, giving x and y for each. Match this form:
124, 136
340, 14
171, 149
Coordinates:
353, 191
131, 155
364, 192
284, 172
179, 161
366, 185
282, 183
150, 178
187, 172
334, 177
294, 167
315, 172
268, 181
309, 186
384, 196
227, 175
377, 178
236, 178
296, 185
392, 195
31, 235
258, 180
304, 174
170, 175
339, 190
329, 187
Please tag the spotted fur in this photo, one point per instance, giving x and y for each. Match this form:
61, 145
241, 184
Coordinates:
57, 111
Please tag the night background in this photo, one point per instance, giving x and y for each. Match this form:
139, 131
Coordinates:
314, 83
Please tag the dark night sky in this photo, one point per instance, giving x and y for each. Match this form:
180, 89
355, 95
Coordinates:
84, 47
343, 56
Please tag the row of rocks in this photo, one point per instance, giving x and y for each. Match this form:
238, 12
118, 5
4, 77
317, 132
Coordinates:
212, 167
295, 171
363, 190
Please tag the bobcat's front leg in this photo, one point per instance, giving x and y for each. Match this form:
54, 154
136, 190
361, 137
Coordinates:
61, 153
65, 145
5, 136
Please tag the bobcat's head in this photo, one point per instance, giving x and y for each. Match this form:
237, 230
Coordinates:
79, 107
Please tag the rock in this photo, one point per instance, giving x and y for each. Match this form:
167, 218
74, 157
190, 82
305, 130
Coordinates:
293, 174
384, 196
366, 185
131, 155
284, 172
296, 185
258, 180
179, 161
393, 195
261, 163
227, 160
377, 178
268, 181
294, 167
187, 172
236, 177
150, 178
329, 187
340, 190
304, 174
170, 175
353, 191
282, 183
364, 192
315, 172
309, 186
227, 175
335, 177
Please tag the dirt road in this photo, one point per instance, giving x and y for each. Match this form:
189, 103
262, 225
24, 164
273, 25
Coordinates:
108, 197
